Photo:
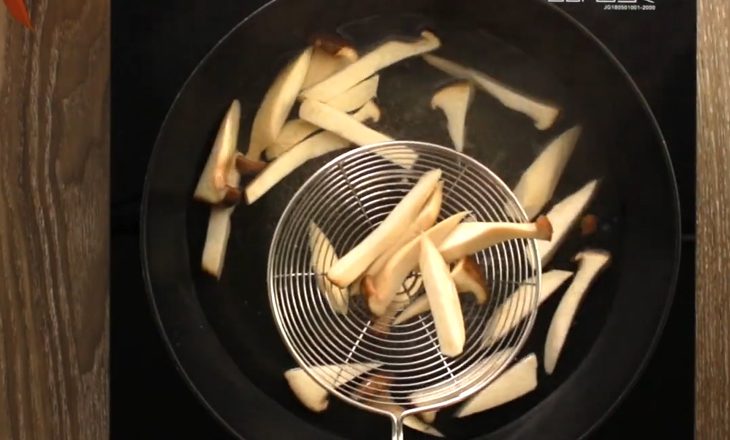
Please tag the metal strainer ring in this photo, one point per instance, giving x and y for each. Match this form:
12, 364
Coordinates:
347, 198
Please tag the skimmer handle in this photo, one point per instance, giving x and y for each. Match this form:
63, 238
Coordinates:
397, 422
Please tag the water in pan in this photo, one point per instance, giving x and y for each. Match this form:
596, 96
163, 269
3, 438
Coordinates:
237, 305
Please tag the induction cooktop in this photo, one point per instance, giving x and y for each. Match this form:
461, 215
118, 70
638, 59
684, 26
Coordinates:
157, 44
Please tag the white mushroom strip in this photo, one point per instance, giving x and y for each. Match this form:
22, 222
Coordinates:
277, 104
424, 221
344, 125
293, 132
419, 306
470, 238
323, 256
468, 278
296, 130
329, 118
538, 182
443, 298
383, 324
454, 100
416, 423
311, 148
381, 57
590, 263
323, 64
564, 216
211, 186
311, 394
381, 289
356, 261
514, 383
428, 416
219, 230
517, 306
357, 96
542, 113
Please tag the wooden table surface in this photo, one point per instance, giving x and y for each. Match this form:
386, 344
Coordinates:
54, 215
713, 216
54, 222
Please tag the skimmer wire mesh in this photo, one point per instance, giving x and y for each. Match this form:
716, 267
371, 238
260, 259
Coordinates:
347, 198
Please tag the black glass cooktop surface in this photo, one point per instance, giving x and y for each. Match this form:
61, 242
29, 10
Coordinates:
156, 45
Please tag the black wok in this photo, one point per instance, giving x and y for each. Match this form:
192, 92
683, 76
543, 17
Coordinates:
221, 333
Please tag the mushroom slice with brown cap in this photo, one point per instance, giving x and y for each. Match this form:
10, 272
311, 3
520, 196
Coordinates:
424, 221
542, 113
233, 197
381, 289
335, 45
588, 225
538, 182
517, 306
590, 264
454, 100
374, 385
369, 64
312, 147
296, 130
219, 230
311, 394
518, 380
344, 125
443, 299
564, 216
323, 256
277, 104
212, 184
468, 276
325, 63
470, 238
248, 167
356, 261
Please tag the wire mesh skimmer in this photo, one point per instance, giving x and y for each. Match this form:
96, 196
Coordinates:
407, 373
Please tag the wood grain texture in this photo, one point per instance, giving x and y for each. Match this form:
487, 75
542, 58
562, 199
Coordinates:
713, 228
54, 217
